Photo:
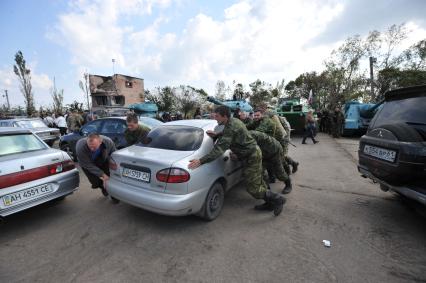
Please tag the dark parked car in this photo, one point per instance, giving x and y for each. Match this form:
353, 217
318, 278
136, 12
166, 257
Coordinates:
112, 127
35, 125
393, 151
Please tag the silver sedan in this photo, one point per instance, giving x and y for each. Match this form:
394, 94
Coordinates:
31, 172
154, 176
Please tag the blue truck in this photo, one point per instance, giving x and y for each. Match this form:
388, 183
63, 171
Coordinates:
357, 117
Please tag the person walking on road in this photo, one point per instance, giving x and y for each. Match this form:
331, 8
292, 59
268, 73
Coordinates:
135, 132
310, 128
236, 137
61, 124
93, 153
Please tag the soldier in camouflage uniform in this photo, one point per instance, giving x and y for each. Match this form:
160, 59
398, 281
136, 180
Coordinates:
236, 137
272, 153
337, 120
75, 121
288, 159
135, 132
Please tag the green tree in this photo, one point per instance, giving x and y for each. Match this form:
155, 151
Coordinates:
24, 75
260, 93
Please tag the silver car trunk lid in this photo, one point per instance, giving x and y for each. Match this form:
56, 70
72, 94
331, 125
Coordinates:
148, 160
18, 162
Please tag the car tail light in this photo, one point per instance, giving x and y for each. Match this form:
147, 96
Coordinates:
112, 164
173, 175
35, 174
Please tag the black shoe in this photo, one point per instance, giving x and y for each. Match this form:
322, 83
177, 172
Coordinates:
295, 166
276, 201
264, 206
114, 200
316, 142
303, 142
104, 192
288, 187
95, 187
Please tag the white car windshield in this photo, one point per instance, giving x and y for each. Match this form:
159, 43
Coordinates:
19, 143
29, 124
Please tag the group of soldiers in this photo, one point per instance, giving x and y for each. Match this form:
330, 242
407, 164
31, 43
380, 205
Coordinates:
331, 122
71, 122
261, 144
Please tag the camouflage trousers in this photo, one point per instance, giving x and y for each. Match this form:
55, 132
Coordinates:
286, 160
274, 165
253, 175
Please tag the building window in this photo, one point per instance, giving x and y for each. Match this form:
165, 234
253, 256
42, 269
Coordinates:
129, 84
101, 100
118, 100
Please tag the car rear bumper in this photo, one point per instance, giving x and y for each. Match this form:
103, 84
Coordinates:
64, 184
158, 202
403, 190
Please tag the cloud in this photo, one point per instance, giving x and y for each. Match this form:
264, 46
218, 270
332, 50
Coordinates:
41, 84
265, 39
362, 16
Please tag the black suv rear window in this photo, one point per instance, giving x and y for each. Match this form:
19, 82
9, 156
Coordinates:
182, 138
410, 111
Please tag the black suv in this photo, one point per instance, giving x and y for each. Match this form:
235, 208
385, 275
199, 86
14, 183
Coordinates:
393, 151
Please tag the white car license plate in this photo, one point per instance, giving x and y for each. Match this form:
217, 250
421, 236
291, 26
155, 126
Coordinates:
385, 154
24, 195
136, 174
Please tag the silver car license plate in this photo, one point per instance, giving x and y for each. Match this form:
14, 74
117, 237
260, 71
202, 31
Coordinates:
136, 174
381, 153
24, 195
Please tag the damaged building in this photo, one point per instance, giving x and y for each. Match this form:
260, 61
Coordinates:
117, 91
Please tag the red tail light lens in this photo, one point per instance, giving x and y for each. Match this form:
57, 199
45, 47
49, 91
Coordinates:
35, 174
173, 175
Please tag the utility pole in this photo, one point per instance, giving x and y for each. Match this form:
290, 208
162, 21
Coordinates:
372, 61
113, 69
86, 88
7, 99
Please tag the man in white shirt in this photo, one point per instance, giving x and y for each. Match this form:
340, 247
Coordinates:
61, 123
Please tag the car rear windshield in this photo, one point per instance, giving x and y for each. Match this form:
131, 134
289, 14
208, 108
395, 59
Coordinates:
410, 111
18, 143
31, 124
182, 138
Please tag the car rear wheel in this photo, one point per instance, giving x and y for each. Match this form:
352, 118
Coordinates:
67, 148
214, 202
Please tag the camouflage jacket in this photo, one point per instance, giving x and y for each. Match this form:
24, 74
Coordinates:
75, 121
236, 137
285, 125
264, 125
269, 145
136, 136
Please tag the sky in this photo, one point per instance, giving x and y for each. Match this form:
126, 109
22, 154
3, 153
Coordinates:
174, 42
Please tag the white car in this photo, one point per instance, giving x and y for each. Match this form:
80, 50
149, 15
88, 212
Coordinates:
32, 173
154, 175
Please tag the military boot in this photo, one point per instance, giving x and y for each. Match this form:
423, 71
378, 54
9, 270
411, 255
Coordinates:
264, 206
288, 187
276, 201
